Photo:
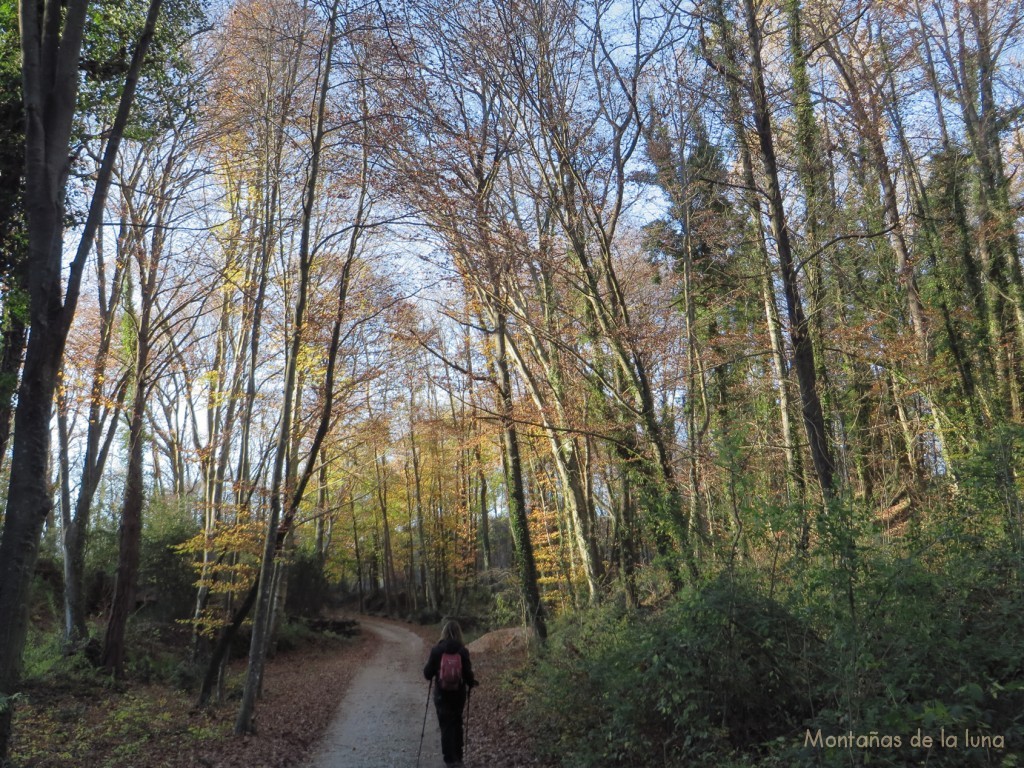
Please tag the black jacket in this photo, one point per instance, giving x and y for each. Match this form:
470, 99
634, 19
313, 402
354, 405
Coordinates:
433, 666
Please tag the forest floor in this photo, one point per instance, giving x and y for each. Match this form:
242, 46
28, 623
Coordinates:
138, 725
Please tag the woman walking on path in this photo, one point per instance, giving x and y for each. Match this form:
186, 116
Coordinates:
451, 672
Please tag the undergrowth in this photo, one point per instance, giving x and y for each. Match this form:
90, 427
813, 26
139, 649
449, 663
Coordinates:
827, 660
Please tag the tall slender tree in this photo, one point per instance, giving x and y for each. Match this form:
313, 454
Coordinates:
51, 42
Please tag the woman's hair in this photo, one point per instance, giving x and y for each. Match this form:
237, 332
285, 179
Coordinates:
452, 631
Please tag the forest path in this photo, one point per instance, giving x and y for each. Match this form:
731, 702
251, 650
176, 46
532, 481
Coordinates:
380, 718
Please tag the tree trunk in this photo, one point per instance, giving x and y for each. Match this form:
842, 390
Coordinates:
803, 352
28, 505
15, 336
146, 237
518, 519
794, 462
425, 567
50, 77
972, 74
130, 530
285, 497
564, 453
220, 427
96, 451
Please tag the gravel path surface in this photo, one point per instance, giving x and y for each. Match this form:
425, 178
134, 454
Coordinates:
349, 702
380, 718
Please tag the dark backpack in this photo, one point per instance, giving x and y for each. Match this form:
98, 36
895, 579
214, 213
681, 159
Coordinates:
449, 678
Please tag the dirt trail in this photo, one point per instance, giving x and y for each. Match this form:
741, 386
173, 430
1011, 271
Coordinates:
380, 718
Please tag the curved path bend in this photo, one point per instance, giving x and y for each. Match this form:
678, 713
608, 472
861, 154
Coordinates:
380, 718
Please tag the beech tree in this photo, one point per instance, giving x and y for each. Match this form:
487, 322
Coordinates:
464, 143
107, 389
13, 274
663, 293
51, 40
155, 306
278, 522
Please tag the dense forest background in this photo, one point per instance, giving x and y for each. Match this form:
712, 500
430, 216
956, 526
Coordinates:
689, 334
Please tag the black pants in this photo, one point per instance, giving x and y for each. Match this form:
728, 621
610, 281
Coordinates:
449, 717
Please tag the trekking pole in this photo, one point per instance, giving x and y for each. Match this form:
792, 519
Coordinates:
423, 731
465, 727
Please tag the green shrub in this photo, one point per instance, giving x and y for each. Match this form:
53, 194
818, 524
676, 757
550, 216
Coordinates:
889, 640
166, 583
308, 588
719, 669
291, 635
43, 653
